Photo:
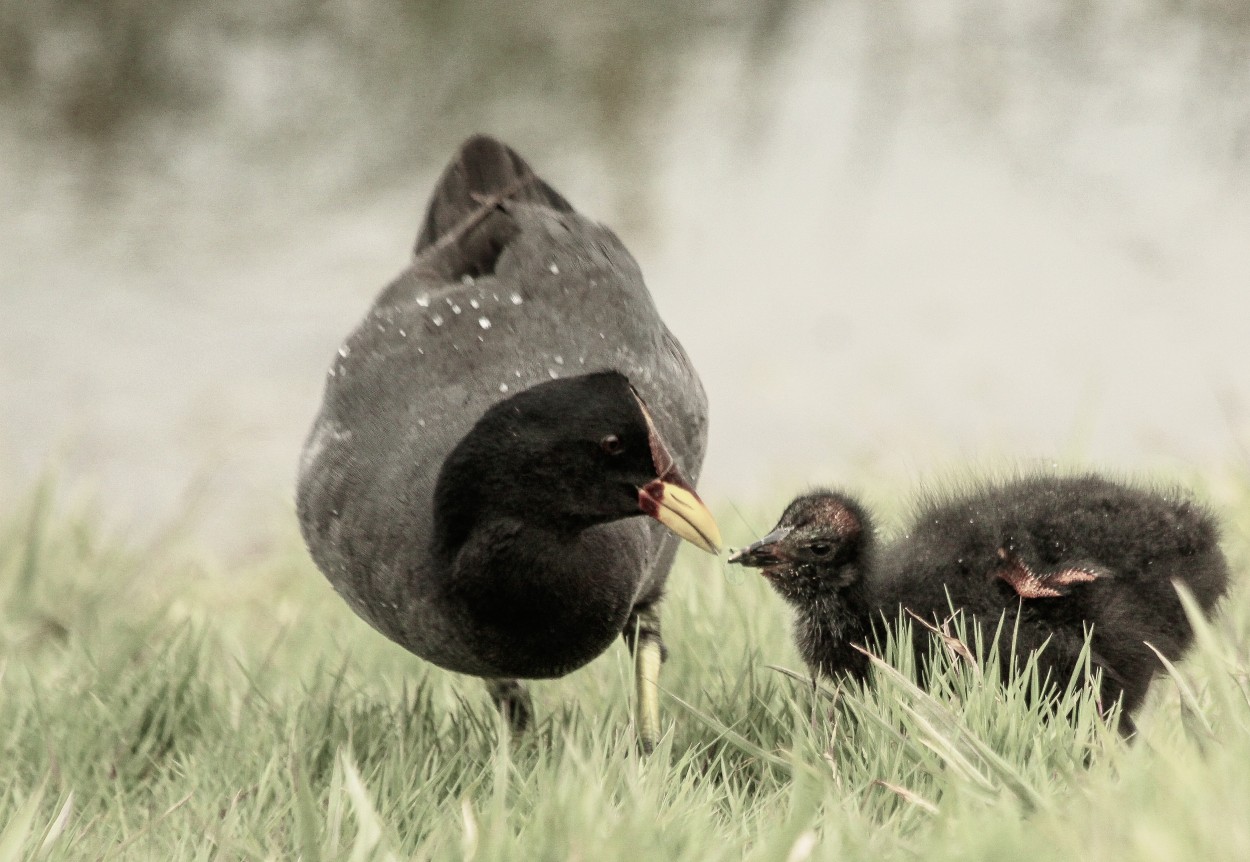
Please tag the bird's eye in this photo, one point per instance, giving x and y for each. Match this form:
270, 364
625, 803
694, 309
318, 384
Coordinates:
612, 445
820, 549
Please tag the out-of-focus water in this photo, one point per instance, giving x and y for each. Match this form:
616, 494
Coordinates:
893, 236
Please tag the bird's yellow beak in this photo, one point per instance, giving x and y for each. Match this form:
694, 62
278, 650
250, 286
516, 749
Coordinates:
675, 505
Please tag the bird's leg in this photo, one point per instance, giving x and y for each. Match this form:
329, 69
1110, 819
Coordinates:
1029, 584
1113, 691
513, 701
642, 635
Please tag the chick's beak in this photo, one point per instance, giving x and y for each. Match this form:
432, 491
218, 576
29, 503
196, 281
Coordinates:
671, 500
763, 553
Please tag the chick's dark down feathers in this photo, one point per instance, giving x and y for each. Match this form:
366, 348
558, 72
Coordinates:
1052, 556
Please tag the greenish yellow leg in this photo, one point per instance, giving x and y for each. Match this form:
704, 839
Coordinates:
643, 636
647, 685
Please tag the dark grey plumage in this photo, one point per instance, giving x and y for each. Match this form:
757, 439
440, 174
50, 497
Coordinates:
1054, 556
510, 288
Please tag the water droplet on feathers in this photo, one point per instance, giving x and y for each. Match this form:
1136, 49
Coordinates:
484, 322
424, 300
516, 299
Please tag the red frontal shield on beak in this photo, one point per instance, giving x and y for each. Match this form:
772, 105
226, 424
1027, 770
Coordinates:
670, 499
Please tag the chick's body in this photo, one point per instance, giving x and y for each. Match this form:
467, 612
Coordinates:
1136, 543
1052, 557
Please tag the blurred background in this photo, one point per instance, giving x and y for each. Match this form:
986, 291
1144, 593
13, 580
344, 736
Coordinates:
894, 235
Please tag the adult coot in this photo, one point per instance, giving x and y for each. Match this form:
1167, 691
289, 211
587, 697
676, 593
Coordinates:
1055, 556
488, 433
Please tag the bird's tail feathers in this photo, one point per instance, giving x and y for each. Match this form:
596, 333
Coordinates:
483, 174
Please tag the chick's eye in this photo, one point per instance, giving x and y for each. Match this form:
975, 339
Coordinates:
820, 549
612, 445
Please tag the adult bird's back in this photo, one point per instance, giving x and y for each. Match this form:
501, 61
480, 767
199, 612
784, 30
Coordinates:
491, 430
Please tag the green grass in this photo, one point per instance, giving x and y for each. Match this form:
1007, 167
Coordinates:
154, 707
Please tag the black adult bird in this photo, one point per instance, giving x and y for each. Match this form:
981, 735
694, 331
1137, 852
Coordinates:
1054, 556
489, 430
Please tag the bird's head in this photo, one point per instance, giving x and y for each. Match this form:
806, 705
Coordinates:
819, 547
566, 455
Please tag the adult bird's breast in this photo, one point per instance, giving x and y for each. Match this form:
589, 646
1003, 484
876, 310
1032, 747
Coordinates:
537, 621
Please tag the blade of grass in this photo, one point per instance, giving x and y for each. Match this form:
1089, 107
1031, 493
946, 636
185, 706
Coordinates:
19, 829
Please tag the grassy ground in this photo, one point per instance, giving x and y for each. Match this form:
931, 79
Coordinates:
152, 707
